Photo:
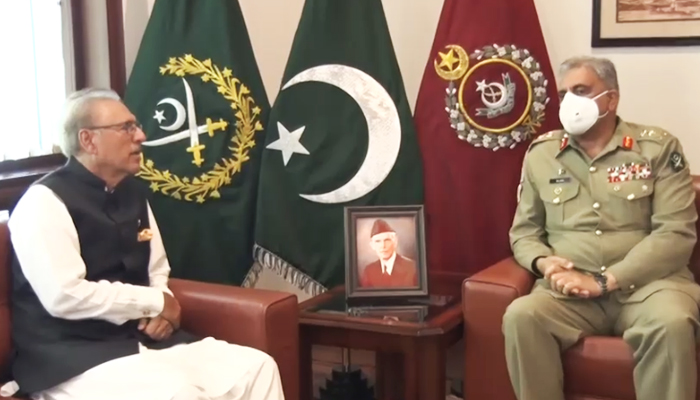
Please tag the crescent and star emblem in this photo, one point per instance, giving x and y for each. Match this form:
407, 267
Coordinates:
383, 128
192, 132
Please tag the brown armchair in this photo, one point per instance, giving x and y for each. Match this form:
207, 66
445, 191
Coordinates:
265, 320
596, 368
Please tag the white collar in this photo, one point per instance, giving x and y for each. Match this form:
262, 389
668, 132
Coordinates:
389, 263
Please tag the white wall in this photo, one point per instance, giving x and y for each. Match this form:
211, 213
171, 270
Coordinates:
659, 86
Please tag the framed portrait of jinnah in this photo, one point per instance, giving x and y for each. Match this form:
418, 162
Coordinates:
385, 252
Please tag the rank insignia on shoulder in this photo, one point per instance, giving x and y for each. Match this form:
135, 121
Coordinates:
543, 137
629, 172
627, 142
676, 161
145, 235
652, 134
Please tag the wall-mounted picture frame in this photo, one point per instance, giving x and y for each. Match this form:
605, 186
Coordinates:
648, 23
385, 252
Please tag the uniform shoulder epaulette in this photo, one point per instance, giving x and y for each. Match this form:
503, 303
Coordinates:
651, 134
546, 137
551, 135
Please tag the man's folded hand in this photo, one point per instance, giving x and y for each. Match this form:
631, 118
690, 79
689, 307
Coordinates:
552, 265
575, 283
171, 311
157, 328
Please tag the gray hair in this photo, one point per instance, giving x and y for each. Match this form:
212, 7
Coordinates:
77, 116
603, 67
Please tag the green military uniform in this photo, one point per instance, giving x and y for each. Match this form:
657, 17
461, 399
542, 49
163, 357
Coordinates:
629, 211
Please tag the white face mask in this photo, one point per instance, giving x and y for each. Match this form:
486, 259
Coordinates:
578, 114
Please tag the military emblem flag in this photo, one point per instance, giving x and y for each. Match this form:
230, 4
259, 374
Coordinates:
487, 90
196, 89
340, 134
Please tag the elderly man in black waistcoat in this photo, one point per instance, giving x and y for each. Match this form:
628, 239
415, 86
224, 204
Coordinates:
92, 315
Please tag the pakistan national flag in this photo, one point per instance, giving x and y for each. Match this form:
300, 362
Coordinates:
196, 89
340, 134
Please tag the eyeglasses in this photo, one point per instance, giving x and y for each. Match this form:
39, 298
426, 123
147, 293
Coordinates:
129, 127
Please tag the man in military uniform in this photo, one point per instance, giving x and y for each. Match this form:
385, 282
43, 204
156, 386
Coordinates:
606, 220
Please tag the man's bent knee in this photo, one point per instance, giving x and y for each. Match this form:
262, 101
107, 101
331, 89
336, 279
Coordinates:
190, 392
261, 358
521, 312
267, 361
672, 325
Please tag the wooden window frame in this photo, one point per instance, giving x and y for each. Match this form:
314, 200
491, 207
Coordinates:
115, 34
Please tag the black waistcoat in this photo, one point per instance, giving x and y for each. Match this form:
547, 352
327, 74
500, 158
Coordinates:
50, 350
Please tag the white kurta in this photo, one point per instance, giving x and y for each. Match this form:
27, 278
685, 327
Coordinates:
46, 244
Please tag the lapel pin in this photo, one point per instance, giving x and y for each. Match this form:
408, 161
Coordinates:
627, 142
145, 235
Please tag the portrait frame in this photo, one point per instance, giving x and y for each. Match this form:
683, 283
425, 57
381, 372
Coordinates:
405, 313
614, 26
410, 234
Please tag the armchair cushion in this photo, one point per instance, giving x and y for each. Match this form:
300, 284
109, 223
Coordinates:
263, 319
600, 366
485, 297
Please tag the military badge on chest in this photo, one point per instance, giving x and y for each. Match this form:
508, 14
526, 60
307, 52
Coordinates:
629, 172
560, 178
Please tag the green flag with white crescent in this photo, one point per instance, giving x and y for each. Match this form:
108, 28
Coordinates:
340, 133
197, 90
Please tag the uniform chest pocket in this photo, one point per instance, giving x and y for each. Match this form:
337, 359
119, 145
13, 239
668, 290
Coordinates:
630, 202
560, 202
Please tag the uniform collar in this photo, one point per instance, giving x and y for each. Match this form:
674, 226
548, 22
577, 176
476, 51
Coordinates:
624, 138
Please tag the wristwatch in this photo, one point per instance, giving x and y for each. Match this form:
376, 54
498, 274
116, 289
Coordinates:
602, 282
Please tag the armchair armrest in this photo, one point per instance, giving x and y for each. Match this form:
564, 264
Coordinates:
264, 319
485, 297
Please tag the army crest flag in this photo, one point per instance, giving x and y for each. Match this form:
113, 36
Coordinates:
487, 91
340, 134
197, 91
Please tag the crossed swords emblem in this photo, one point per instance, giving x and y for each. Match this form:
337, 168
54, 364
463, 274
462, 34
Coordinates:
193, 131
